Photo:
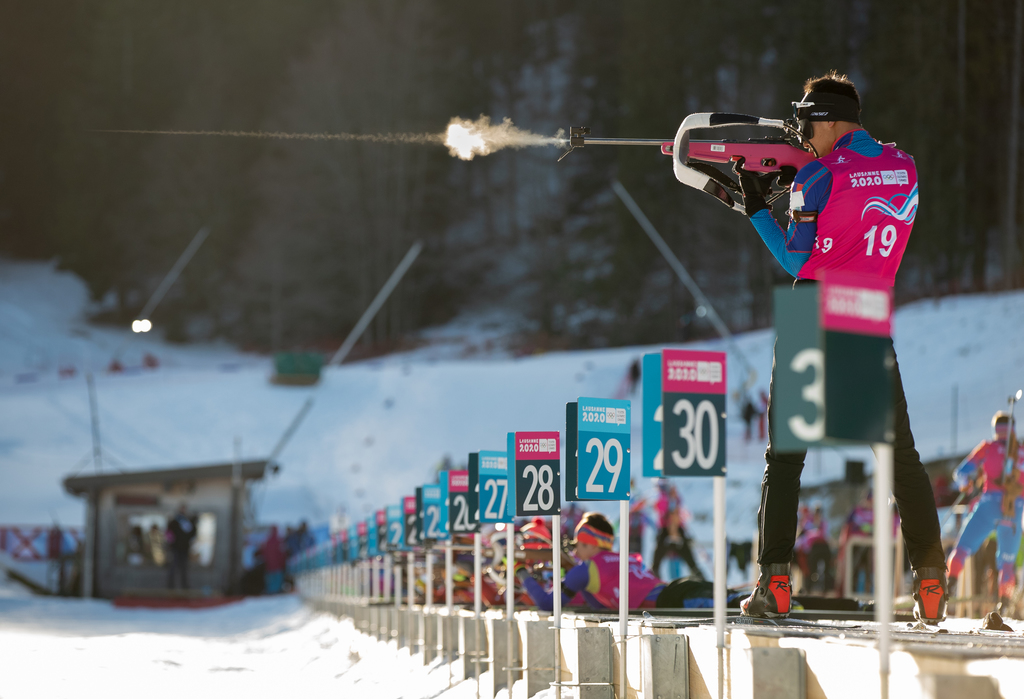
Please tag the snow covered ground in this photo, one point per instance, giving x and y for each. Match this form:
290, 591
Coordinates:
380, 427
263, 647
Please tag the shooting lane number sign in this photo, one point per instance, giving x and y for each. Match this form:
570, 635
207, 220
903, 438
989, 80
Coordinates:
461, 509
353, 542
537, 473
411, 514
693, 412
361, 550
371, 535
494, 487
435, 511
395, 528
856, 323
473, 469
603, 446
571, 452
651, 420
834, 362
382, 530
342, 551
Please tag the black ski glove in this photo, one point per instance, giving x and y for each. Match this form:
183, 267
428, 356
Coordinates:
754, 186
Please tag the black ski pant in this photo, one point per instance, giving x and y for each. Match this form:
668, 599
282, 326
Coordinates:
666, 546
780, 493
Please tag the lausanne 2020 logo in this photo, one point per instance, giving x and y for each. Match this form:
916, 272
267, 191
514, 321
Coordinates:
902, 207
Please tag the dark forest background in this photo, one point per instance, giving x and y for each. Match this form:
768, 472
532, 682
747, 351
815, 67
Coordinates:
304, 233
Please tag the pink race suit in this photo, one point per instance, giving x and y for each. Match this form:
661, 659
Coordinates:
866, 222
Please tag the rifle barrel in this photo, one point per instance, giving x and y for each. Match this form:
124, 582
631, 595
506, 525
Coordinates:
588, 141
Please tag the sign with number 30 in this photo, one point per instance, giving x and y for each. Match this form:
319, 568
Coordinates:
693, 412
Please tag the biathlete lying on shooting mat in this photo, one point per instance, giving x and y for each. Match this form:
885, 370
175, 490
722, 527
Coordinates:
999, 508
852, 210
595, 579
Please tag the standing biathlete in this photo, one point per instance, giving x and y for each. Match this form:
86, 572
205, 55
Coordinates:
999, 508
852, 211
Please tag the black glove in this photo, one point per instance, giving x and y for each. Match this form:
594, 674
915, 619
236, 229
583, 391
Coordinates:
754, 186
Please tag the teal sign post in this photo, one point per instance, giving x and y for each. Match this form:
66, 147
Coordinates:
396, 528
650, 378
603, 449
494, 487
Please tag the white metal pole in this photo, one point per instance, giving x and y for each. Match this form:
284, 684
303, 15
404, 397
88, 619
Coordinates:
410, 576
449, 594
374, 580
367, 581
623, 592
428, 598
387, 577
556, 597
720, 575
449, 580
510, 597
883, 558
398, 583
477, 607
375, 305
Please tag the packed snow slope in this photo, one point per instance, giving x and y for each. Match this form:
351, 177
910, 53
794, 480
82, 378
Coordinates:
378, 428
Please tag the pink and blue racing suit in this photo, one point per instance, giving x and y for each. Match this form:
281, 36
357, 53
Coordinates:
870, 191
597, 581
988, 460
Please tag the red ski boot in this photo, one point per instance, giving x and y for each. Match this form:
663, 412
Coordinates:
771, 597
930, 594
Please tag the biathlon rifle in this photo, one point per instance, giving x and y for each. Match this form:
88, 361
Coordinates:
694, 161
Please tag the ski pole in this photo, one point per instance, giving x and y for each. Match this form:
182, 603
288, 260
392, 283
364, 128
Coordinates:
1008, 464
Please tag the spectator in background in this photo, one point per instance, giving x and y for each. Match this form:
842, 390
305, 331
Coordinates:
813, 552
181, 530
156, 545
304, 537
638, 519
672, 539
291, 542
748, 412
273, 562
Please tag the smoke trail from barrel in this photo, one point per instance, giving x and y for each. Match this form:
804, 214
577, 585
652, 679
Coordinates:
464, 138
419, 138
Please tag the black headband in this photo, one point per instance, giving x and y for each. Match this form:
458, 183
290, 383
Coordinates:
826, 106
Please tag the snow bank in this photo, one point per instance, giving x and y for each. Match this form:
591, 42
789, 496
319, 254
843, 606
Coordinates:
266, 647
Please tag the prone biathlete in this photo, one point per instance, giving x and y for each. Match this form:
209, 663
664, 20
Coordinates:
852, 210
596, 577
1000, 506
